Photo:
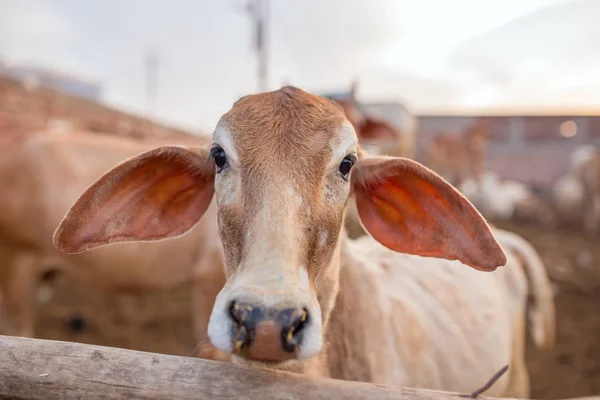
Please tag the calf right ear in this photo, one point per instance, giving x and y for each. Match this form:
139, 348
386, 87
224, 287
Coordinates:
410, 209
158, 194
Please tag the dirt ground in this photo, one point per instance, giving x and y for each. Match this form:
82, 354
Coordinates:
572, 368
160, 321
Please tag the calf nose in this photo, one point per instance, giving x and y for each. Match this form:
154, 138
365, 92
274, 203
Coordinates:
267, 334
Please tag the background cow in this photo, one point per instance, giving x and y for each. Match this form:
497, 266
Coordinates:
41, 177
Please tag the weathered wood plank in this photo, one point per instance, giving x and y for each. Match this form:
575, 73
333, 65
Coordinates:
44, 369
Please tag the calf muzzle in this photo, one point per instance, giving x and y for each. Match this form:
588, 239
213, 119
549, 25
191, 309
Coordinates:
266, 334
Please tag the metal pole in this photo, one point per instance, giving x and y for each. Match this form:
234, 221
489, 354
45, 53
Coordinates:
151, 81
261, 16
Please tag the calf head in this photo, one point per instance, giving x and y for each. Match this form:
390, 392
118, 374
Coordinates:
282, 166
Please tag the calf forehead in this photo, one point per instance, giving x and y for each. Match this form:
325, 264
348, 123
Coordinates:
283, 125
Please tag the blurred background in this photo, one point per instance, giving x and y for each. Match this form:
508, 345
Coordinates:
502, 98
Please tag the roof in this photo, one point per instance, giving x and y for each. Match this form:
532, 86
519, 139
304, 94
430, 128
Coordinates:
337, 95
47, 73
512, 112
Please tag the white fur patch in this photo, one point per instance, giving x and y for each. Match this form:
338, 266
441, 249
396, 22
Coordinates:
44, 294
292, 193
226, 189
312, 341
323, 238
336, 192
343, 144
222, 136
289, 191
304, 277
227, 184
219, 325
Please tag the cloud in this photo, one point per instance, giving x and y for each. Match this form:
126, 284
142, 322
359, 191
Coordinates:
537, 59
204, 46
399, 49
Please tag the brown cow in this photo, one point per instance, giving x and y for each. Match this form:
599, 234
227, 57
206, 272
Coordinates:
300, 295
458, 156
40, 178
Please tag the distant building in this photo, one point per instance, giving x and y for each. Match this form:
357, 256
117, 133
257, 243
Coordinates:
532, 148
32, 75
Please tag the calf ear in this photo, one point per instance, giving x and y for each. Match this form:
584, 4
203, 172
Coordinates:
410, 209
158, 194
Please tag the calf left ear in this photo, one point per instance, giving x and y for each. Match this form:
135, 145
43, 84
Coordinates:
159, 194
410, 209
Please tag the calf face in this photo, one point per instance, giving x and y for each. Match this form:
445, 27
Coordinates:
282, 166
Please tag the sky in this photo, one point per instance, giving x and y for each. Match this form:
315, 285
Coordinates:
432, 55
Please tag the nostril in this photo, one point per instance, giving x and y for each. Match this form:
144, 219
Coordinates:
240, 312
291, 333
234, 311
243, 326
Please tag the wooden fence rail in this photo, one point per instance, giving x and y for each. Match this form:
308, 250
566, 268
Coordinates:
44, 369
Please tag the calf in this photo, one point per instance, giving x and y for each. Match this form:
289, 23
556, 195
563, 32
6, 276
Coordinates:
299, 294
40, 178
458, 156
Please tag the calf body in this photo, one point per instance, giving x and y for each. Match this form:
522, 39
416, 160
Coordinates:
419, 322
298, 294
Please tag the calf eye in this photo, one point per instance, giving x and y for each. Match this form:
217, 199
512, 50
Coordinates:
346, 166
218, 155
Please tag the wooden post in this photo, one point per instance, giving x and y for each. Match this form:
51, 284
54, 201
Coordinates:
44, 369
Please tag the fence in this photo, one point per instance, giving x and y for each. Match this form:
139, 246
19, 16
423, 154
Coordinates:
44, 369
34, 369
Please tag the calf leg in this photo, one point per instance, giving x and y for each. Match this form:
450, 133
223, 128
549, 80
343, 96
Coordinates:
592, 216
590, 178
518, 386
17, 292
